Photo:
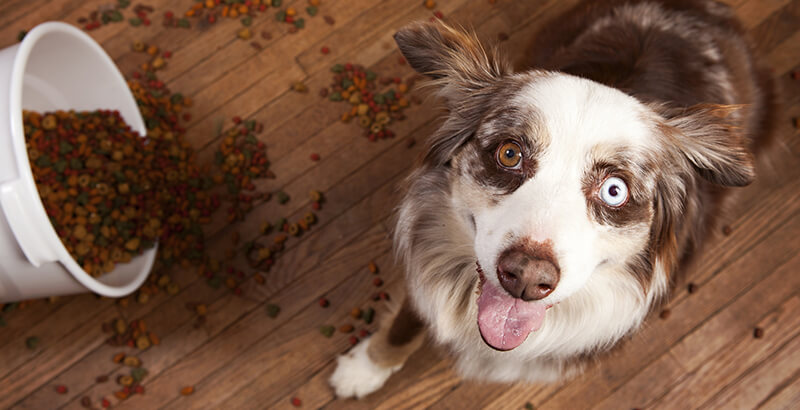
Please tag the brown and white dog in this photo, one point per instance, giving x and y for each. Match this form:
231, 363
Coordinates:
554, 206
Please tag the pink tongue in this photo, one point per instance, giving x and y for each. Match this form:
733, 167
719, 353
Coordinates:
505, 321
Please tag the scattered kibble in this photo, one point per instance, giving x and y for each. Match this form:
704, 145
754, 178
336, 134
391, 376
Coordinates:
664, 314
86, 402
353, 340
187, 390
32, 342
315, 157
373, 268
61, 389
758, 333
355, 313
691, 288
727, 230
369, 315
325, 50
323, 302
346, 328
296, 402
327, 331
377, 282
371, 108
429, 4
273, 310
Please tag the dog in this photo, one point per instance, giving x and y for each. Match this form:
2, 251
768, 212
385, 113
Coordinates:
554, 206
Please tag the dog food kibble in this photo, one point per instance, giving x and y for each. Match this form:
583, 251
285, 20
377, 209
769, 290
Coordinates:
758, 333
315, 157
138, 374
327, 331
101, 379
529, 406
32, 342
664, 314
368, 315
430, 4
726, 230
691, 288
346, 328
105, 403
353, 340
355, 313
86, 402
373, 268
131, 361
296, 402
187, 390
323, 302
273, 310
61, 389
118, 358
377, 282
125, 380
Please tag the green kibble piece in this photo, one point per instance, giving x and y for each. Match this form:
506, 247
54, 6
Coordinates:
371, 75
65, 147
528, 406
327, 331
281, 15
368, 315
335, 97
116, 16
32, 342
300, 23
138, 373
21, 35
184, 23
337, 68
43, 162
280, 223
346, 83
273, 310
379, 99
135, 21
283, 197
176, 98
215, 282
247, 21
123, 3
60, 165
312, 10
276, 3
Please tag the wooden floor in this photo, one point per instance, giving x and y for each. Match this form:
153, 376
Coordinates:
702, 355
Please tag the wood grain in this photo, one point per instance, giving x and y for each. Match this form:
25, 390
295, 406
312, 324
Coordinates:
704, 355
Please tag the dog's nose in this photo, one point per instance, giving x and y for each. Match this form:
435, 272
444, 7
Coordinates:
526, 276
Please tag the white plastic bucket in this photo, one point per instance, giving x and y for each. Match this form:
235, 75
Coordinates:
56, 67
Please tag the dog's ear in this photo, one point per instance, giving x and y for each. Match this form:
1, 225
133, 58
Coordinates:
716, 148
451, 56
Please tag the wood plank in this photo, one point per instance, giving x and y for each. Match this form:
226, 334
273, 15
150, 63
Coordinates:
759, 384
785, 399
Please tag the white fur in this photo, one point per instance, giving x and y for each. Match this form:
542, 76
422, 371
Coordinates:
356, 375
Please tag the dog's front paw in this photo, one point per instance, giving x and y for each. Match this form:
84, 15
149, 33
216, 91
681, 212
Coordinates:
356, 375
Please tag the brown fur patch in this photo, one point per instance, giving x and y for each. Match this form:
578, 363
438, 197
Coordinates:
392, 345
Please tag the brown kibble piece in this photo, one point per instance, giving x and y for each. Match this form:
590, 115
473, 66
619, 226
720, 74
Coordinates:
691, 288
726, 230
355, 313
664, 314
187, 390
758, 333
346, 328
373, 268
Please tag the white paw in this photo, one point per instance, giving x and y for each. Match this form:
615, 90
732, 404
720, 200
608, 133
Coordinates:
357, 375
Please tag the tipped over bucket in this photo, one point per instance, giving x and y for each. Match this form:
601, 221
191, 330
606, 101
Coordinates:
56, 67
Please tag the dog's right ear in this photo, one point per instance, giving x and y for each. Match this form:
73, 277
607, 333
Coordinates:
454, 58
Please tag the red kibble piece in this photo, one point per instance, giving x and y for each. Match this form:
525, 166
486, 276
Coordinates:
167, 54
325, 50
323, 302
377, 281
139, 389
168, 14
353, 340
146, 22
383, 295
105, 403
438, 14
296, 402
187, 117
237, 119
363, 333
796, 75
316, 206
61, 389
315, 157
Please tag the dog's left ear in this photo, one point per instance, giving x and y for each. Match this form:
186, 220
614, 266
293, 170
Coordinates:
453, 57
714, 146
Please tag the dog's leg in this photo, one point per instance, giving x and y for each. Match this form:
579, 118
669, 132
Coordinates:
366, 367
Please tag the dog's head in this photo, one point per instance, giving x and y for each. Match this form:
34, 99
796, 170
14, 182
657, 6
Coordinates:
562, 179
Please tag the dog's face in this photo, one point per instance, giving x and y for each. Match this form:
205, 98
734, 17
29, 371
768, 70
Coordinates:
560, 178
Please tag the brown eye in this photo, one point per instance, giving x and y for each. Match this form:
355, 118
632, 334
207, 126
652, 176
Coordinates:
509, 155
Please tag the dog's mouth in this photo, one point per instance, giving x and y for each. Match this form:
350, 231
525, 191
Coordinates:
503, 320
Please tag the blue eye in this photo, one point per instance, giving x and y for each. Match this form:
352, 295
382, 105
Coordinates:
614, 192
